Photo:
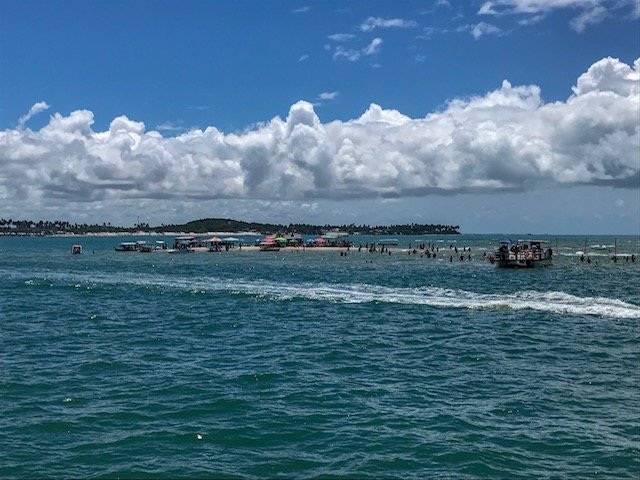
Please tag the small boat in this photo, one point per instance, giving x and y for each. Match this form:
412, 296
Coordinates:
184, 244
181, 249
523, 254
76, 249
159, 246
128, 247
269, 247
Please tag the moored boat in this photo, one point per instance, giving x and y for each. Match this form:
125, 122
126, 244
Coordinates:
523, 254
268, 244
76, 249
128, 247
159, 246
184, 244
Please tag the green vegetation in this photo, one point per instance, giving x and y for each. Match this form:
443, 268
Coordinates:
28, 227
228, 225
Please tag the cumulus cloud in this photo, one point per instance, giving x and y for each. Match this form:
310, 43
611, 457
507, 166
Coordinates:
507, 139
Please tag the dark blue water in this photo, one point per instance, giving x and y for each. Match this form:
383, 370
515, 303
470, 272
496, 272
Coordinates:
309, 364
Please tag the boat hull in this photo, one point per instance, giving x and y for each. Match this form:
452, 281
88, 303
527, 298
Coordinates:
523, 263
523, 254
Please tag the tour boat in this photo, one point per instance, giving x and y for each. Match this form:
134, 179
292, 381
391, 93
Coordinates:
130, 246
523, 254
269, 247
159, 246
127, 247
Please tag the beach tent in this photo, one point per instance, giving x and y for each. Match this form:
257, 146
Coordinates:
213, 240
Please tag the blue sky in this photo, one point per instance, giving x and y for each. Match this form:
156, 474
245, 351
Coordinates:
262, 110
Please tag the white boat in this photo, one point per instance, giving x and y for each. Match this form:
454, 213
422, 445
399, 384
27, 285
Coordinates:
128, 247
184, 244
523, 254
159, 246
269, 247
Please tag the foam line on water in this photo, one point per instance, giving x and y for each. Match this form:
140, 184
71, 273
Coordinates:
553, 302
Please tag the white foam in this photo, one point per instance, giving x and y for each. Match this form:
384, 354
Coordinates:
553, 302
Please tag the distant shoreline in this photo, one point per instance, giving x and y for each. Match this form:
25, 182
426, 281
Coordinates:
129, 234
194, 234
210, 226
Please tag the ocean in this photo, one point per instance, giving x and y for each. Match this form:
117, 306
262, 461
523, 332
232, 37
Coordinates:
249, 364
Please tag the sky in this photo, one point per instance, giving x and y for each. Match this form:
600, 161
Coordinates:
500, 116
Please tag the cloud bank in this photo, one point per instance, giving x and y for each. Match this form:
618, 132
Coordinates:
505, 140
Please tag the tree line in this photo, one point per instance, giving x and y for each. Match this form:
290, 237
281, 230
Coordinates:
47, 227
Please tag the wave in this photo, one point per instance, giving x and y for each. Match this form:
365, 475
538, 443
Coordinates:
553, 302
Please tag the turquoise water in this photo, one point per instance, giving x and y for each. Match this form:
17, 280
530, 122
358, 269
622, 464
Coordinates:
282, 365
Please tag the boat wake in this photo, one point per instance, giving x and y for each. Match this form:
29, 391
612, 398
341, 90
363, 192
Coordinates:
553, 302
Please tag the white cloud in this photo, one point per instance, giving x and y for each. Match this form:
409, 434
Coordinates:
592, 16
505, 140
34, 110
328, 95
304, 9
341, 37
171, 126
304, 57
373, 47
353, 55
372, 23
590, 12
350, 54
609, 75
479, 30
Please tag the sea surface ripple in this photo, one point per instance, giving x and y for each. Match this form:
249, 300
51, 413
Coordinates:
309, 364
